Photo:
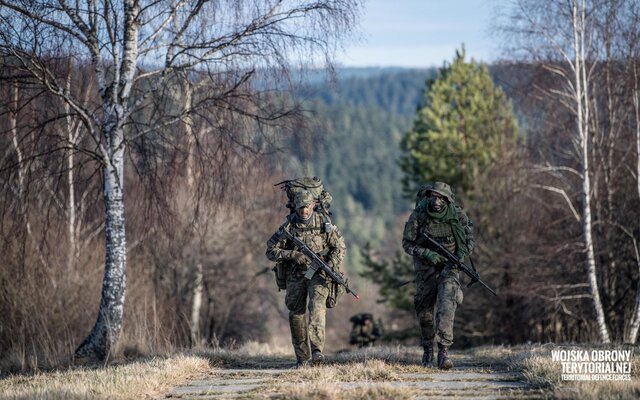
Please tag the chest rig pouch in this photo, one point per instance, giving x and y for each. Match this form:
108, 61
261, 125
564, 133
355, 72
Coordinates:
314, 235
440, 232
280, 270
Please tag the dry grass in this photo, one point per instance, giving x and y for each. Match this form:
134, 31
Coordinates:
322, 391
249, 355
368, 367
322, 382
541, 371
600, 390
371, 370
505, 357
137, 380
400, 355
361, 374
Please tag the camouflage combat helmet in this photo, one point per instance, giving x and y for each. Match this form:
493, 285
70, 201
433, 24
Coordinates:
304, 198
359, 319
314, 186
442, 189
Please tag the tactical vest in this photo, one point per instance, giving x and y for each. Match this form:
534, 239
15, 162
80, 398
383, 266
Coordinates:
440, 232
312, 234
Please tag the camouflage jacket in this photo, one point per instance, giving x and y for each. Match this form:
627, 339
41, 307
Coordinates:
367, 332
419, 222
328, 244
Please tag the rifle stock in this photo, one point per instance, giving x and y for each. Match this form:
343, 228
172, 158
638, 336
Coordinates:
475, 277
317, 263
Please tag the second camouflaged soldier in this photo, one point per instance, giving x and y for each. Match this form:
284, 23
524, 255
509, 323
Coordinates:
437, 282
324, 239
365, 330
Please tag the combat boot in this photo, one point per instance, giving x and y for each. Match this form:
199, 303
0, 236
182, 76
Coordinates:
302, 364
427, 357
443, 358
317, 357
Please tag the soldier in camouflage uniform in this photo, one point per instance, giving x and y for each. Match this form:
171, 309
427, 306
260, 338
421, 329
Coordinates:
325, 239
365, 330
437, 282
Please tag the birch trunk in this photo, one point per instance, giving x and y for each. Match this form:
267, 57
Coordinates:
13, 128
198, 288
104, 335
115, 98
71, 201
582, 111
635, 319
71, 205
22, 172
197, 305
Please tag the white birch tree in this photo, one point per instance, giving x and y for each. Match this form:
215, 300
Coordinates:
632, 36
134, 47
561, 37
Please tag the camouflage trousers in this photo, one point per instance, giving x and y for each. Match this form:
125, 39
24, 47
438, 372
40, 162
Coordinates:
304, 333
438, 294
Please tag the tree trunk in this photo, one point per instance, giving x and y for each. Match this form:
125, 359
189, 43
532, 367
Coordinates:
198, 287
197, 305
591, 262
71, 202
582, 115
635, 320
105, 332
21, 190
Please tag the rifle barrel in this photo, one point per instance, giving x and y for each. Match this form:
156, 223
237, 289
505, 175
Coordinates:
474, 275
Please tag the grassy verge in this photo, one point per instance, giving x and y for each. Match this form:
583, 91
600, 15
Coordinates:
136, 380
539, 369
322, 391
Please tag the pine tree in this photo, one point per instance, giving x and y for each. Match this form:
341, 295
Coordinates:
464, 124
392, 276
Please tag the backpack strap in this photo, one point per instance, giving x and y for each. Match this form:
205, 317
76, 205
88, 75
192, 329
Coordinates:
286, 225
283, 182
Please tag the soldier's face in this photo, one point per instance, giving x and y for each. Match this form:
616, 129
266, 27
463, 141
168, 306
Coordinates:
437, 201
304, 212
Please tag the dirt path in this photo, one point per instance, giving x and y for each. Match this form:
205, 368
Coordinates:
469, 379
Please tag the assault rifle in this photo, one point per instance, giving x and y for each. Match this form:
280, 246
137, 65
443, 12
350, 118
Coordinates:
317, 263
471, 273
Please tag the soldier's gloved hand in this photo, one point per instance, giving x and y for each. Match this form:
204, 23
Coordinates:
298, 257
433, 257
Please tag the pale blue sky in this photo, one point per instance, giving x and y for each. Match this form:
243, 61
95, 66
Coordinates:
422, 33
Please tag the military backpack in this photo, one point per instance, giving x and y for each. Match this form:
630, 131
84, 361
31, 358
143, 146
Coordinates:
314, 186
323, 203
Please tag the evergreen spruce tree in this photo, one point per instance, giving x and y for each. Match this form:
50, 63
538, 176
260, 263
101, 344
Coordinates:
463, 125
392, 276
